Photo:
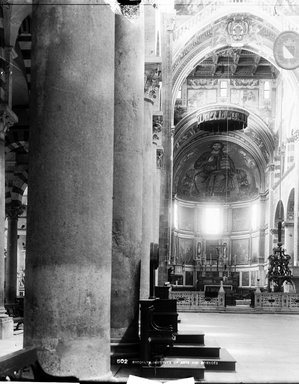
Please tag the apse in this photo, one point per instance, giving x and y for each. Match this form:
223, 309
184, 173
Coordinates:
219, 171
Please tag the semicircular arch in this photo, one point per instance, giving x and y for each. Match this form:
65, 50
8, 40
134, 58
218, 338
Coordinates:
207, 40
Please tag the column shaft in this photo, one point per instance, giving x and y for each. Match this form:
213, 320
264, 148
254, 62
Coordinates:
7, 118
166, 170
68, 263
128, 171
147, 205
11, 260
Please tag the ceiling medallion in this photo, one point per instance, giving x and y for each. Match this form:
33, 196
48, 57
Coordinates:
237, 28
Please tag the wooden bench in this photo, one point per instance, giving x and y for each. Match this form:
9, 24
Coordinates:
154, 338
15, 311
14, 362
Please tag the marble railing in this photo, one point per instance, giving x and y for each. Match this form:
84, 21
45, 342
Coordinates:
196, 300
277, 301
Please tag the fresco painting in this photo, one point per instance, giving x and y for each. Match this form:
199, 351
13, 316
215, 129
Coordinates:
240, 220
254, 249
245, 279
186, 218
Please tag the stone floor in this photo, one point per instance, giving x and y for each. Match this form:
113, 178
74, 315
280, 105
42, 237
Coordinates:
265, 346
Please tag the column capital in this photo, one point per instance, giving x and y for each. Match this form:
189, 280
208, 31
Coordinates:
152, 78
130, 11
14, 210
7, 119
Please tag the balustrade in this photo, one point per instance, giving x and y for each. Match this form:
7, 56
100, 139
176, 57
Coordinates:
277, 301
196, 300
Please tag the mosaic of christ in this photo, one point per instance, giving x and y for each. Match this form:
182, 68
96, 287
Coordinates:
219, 173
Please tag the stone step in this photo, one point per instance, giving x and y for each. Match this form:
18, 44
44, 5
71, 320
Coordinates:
193, 350
190, 338
117, 347
175, 368
225, 362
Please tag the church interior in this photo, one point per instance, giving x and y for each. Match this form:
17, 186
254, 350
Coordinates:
149, 171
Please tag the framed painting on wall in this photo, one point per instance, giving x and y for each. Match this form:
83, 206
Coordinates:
240, 251
186, 251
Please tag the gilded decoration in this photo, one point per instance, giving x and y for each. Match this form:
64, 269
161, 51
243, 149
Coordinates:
222, 172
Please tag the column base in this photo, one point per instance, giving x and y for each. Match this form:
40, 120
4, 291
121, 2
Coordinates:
6, 327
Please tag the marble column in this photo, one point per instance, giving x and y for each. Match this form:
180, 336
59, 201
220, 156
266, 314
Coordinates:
147, 212
7, 119
69, 241
152, 78
166, 169
13, 211
128, 173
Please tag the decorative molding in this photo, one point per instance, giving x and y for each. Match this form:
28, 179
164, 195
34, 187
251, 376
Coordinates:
203, 83
152, 79
237, 28
7, 119
250, 83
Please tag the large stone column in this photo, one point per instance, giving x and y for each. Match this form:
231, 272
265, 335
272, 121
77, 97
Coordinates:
68, 263
152, 78
147, 198
166, 169
7, 118
128, 173
12, 212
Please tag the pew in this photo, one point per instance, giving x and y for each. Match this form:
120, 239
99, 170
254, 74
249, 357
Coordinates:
165, 313
154, 337
13, 363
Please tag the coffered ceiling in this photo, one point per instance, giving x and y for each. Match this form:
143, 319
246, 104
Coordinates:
234, 63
